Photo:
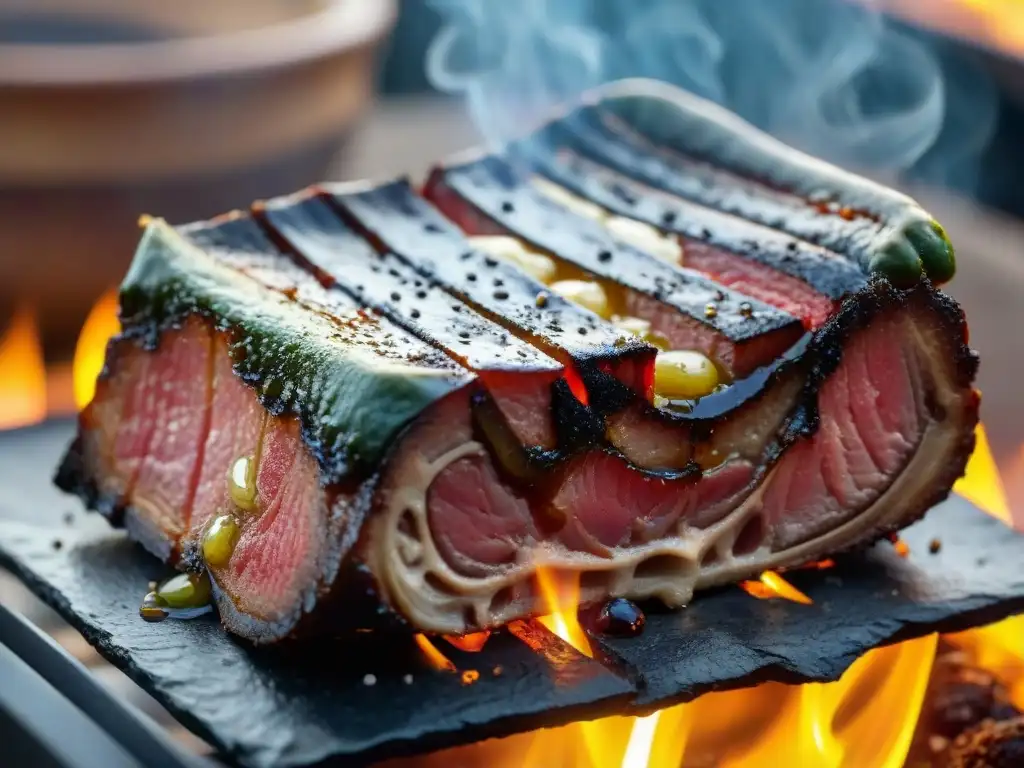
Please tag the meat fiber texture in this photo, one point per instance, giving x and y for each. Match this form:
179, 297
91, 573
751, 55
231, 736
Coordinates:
428, 426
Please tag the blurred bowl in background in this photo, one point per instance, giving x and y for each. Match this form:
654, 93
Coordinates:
112, 108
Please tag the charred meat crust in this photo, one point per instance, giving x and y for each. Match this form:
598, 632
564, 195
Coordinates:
307, 227
312, 233
497, 189
400, 221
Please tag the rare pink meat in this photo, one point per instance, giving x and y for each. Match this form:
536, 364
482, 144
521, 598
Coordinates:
869, 424
475, 519
236, 425
177, 406
762, 282
609, 504
278, 555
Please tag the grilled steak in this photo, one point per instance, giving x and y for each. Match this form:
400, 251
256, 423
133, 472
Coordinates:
667, 355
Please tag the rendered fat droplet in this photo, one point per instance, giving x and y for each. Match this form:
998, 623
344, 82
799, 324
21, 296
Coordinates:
219, 541
587, 294
559, 194
186, 590
646, 238
681, 374
538, 266
242, 483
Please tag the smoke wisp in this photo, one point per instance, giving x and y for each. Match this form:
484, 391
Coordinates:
833, 77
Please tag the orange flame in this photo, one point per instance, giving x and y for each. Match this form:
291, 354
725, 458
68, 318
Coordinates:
641, 742
561, 595
434, 657
998, 647
982, 484
100, 326
997, 23
22, 372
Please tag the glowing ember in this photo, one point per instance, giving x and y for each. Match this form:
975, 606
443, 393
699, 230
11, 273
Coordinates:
99, 327
470, 676
472, 642
23, 383
772, 585
901, 547
561, 595
434, 657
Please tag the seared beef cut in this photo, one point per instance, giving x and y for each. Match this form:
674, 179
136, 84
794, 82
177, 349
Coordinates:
424, 415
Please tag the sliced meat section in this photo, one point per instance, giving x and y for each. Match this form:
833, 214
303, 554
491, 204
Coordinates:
177, 406
144, 432
213, 367
237, 423
610, 505
779, 289
690, 310
893, 428
851, 464
283, 553
478, 522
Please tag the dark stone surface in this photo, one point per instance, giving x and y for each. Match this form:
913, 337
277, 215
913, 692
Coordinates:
727, 639
309, 705
299, 705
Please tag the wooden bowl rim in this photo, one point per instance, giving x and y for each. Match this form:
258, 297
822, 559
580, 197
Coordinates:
340, 25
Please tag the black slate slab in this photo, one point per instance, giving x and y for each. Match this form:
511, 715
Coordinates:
728, 639
305, 705
272, 707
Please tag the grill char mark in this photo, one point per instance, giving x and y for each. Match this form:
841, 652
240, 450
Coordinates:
494, 187
238, 242
826, 272
402, 222
308, 227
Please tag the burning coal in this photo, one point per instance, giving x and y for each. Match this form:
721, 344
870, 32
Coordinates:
834, 78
